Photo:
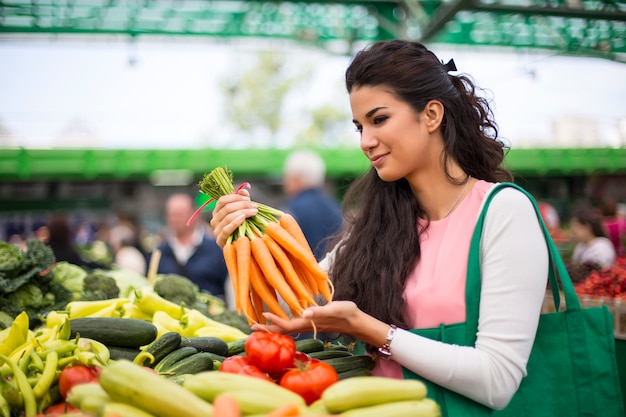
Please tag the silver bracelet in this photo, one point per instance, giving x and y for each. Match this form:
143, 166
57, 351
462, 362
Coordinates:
385, 350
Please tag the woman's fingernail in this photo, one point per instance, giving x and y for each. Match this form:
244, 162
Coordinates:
307, 314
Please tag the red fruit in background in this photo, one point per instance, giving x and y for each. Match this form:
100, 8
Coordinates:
233, 364
60, 409
75, 375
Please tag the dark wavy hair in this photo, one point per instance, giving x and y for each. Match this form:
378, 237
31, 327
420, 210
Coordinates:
380, 245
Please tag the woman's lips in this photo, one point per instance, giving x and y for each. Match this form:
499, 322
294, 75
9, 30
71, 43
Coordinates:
378, 160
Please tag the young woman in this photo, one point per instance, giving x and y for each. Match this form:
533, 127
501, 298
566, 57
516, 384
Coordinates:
401, 263
593, 247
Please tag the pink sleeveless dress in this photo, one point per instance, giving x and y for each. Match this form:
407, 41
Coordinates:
434, 293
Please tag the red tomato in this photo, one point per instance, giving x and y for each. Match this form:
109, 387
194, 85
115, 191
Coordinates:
233, 364
60, 409
310, 379
254, 371
272, 352
240, 365
75, 375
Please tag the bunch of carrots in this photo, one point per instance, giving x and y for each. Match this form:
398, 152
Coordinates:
268, 256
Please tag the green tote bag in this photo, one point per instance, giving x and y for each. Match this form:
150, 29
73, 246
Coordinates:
572, 369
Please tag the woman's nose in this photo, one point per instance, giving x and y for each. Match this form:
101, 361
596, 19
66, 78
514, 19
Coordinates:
368, 140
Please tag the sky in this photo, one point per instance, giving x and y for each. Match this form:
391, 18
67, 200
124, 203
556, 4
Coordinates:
167, 95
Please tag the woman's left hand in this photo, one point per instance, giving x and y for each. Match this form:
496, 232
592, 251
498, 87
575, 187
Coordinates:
336, 316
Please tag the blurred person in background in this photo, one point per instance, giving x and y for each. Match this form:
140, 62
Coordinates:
317, 213
59, 236
592, 245
125, 254
551, 218
191, 251
614, 224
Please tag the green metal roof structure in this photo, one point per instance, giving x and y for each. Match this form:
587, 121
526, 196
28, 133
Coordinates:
101, 164
574, 27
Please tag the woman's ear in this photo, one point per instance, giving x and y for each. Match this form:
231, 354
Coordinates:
433, 115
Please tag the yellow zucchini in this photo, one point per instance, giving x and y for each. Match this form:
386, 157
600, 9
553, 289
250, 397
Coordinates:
124, 410
129, 383
210, 384
364, 391
413, 408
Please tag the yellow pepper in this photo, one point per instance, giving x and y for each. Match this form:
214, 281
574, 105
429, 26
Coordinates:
194, 322
150, 302
227, 335
78, 309
132, 311
113, 310
16, 336
164, 320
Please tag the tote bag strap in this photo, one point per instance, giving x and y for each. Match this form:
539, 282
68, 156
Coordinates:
556, 276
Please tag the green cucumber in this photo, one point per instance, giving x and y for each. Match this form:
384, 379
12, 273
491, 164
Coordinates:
351, 362
330, 354
121, 352
174, 357
206, 344
354, 372
198, 362
218, 359
114, 331
309, 345
236, 346
163, 346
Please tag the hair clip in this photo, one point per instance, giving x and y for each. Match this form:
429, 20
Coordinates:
450, 66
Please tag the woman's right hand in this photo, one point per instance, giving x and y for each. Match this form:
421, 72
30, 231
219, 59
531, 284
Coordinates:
229, 213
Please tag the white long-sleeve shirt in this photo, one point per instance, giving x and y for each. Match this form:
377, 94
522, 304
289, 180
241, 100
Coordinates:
514, 270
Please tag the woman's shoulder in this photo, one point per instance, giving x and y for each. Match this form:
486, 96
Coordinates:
508, 197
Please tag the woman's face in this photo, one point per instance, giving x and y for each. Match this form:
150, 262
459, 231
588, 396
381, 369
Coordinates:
392, 136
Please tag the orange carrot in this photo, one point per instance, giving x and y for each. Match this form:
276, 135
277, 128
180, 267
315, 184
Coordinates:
267, 293
230, 257
225, 405
287, 410
305, 275
289, 243
304, 255
242, 247
290, 224
291, 276
257, 303
273, 275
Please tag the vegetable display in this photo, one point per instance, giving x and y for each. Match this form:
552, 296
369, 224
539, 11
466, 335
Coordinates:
267, 257
27, 283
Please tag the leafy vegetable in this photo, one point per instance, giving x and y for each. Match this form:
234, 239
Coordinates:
71, 276
26, 281
11, 257
127, 281
19, 267
176, 288
99, 286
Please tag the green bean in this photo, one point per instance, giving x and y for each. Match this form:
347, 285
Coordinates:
35, 361
30, 403
47, 376
5, 410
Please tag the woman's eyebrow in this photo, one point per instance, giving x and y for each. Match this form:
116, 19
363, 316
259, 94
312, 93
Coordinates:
370, 113
374, 110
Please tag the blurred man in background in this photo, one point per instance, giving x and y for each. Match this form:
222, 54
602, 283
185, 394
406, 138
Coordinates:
189, 250
319, 215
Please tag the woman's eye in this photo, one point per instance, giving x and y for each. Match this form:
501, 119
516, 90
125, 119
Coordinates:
379, 119
358, 128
